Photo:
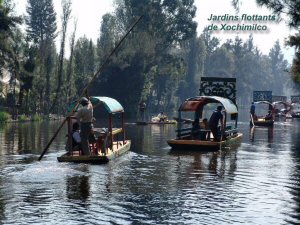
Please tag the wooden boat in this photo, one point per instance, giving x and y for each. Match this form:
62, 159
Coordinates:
157, 120
185, 140
296, 115
109, 142
281, 112
261, 120
295, 112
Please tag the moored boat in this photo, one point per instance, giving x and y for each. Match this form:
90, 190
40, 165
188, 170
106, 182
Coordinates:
108, 143
185, 139
160, 119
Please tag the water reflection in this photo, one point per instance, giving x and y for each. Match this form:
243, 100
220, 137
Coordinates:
78, 188
263, 134
28, 137
256, 181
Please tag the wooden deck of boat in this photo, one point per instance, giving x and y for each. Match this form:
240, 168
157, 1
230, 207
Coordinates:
183, 144
97, 159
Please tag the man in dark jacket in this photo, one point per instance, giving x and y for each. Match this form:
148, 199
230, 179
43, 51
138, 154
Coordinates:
214, 122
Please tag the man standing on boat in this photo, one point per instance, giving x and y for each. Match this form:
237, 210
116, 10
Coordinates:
214, 122
85, 117
252, 110
142, 107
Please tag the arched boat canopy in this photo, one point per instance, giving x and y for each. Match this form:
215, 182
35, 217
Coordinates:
111, 105
280, 103
192, 104
265, 102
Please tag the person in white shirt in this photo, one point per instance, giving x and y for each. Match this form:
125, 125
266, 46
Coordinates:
85, 117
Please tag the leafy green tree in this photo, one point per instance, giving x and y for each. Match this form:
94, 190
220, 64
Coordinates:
66, 14
279, 67
151, 57
107, 37
291, 10
84, 53
41, 30
8, 23
70, 84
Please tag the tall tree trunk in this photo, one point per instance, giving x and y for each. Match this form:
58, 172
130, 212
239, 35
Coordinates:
66, 5
69, 69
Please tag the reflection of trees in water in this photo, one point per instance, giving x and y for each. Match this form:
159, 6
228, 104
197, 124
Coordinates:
220, 163
149, 138
266, 133
28, 137
78, 188
295, 174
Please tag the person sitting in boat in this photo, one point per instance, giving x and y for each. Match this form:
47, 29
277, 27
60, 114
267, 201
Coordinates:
214, 122
269, 115
76, 139
162, 117
204, 127
195, 129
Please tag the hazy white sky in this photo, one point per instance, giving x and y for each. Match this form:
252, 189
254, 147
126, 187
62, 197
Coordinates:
89, 13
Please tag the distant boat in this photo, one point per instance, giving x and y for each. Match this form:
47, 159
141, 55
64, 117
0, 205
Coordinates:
296, 114
185, 139
281, 112
157, 120
263, 120
110, 142
295, 110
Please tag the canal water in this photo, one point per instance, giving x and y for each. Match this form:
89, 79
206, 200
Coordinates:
255, 182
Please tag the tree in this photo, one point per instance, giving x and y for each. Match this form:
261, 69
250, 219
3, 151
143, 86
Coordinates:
70, 70
291, 10
8, 23
41, 30
279, 68
66, 13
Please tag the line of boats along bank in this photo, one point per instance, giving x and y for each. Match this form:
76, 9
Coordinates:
111, 142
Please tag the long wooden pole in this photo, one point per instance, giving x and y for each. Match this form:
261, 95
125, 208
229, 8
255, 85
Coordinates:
87, 86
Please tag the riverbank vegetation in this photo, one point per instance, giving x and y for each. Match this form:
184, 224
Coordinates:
160, 62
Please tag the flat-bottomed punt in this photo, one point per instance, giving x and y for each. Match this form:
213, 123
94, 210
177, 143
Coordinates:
109, 143
259, 120
187, 141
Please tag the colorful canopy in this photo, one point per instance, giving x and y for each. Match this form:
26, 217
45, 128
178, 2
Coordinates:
192, 104
110, 104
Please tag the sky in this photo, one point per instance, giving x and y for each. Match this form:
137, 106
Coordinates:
89, 13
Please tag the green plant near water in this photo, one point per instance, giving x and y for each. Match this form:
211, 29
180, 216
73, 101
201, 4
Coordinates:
37, 117
4, 116
23, 118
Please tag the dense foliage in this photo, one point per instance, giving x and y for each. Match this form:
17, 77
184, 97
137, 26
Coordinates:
160, 62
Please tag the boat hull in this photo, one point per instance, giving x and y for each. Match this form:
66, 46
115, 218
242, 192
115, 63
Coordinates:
268, 123
96, 159
158, 123
199, 145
